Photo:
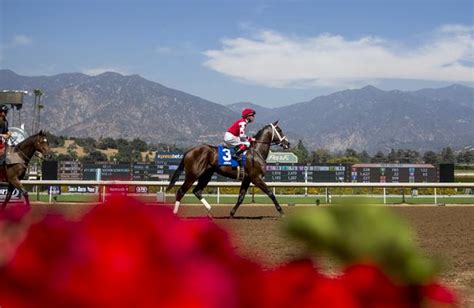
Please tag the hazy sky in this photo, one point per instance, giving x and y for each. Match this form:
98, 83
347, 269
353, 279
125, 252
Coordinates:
271, 53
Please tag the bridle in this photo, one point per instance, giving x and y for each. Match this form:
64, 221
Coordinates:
274, 132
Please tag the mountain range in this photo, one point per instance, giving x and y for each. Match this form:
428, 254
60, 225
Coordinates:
114, 105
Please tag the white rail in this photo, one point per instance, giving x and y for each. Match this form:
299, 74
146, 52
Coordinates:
104, 184
237, 184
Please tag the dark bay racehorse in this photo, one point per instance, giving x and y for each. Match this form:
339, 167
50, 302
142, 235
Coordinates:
200, 163
18, 160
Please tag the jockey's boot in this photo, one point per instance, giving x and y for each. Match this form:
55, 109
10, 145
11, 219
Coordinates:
238, 153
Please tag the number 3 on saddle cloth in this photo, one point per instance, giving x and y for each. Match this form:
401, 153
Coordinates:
225, 157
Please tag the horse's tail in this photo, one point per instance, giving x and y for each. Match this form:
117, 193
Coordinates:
176, 173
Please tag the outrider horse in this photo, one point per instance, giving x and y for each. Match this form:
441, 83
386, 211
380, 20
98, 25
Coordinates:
17, 162
200, 163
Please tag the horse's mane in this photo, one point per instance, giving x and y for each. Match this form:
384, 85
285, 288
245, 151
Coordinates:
260, 132
27, 140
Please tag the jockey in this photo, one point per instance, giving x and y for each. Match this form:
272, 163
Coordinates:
235, 135
4, 133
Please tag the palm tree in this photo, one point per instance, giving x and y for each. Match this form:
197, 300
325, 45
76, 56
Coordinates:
38, 93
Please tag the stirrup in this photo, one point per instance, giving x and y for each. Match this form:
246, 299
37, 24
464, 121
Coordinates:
237, 157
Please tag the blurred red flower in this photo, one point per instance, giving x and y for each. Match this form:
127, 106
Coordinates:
126, 253
299, 284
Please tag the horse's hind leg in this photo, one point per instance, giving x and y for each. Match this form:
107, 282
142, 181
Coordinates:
243, 190
188, 182
261, 184
202, 183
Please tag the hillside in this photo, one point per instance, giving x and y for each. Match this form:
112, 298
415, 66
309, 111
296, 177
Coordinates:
73, 146
117, 106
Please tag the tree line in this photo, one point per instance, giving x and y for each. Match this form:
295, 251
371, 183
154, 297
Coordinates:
126, 150
401, 156
131, 150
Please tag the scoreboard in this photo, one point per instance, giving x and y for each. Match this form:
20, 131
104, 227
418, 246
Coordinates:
108, 171
306, 173
285, 172
165, 170
153, 172
393, 173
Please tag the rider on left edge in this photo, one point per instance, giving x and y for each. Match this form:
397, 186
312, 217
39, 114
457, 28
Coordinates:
5, 134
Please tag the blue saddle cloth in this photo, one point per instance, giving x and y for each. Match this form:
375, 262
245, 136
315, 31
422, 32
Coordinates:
225, 157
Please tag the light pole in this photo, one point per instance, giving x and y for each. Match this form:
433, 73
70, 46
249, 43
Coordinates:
40, 106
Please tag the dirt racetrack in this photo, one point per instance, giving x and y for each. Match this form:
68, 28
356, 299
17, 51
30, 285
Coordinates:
444, 231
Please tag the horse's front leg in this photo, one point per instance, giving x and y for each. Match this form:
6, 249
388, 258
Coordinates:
8, 195
243, 190
261, 184
17, 184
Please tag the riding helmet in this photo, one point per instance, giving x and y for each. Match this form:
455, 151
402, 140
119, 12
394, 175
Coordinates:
4, 108
247, 112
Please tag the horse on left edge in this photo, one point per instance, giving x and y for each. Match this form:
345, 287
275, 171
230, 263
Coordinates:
16, 164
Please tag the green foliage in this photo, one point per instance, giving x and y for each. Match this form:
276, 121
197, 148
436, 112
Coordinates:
320, 156
364, 157
130, 149
86, 142
139, 145
379, 157
344, 160
465, 157
447, 156
94, 156
55, 141
301, 151
127, 154
430, 157
354, 233
107, 143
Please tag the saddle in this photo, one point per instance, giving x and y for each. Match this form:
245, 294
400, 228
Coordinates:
13, 157
226, 158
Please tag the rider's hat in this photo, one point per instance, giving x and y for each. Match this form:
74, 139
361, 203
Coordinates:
4, 108
247, 112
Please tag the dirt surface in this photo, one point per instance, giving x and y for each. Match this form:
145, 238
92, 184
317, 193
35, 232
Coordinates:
442, 231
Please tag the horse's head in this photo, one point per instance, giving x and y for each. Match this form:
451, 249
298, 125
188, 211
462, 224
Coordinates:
41, 143
278, 137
